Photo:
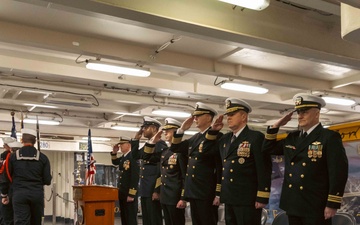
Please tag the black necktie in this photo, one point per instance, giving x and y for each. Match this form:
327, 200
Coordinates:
233, 138
303, 135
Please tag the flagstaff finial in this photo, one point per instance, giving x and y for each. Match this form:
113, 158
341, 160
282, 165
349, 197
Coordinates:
12, 113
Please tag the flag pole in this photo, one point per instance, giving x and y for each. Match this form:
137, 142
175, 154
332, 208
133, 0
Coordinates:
37, 133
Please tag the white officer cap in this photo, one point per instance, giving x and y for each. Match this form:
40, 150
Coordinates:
235, 104
124, 139
304, 100
8, 140
28, 131
150, 121
201, 109
15, 144
171, 123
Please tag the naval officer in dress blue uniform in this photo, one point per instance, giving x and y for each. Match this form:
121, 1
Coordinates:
316, 165
203, 175
173, 169
246, 174
149, 189
127, 182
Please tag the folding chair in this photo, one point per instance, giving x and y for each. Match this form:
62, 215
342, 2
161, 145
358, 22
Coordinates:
281, 219
343, 218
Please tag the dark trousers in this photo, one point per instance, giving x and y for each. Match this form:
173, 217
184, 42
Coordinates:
151, 211
203, 212
128, 211
28, 207
173, 215
242, 215
8, 213
297, 220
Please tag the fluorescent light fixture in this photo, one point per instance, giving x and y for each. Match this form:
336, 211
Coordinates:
128, 114
43, 122
97, 138
41, 106
170, 113
250, 4
334, 70
114, 68
244, 88
339, 101
119, 127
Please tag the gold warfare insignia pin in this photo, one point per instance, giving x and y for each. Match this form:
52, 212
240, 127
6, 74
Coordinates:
126, 165
201, 146
241, 160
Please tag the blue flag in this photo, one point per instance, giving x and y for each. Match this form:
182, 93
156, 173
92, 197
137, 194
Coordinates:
89, 150
13, 128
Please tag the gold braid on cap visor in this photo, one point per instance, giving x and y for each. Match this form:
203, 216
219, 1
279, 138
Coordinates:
169, 126
306, 106
196, 113
233, 109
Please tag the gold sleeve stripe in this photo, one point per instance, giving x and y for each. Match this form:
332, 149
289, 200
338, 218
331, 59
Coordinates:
270, 136
113, 157
218, 187
210, 137
158, 182
182, 192
149, 150
176, 140
334, 198
132, 191
263, 194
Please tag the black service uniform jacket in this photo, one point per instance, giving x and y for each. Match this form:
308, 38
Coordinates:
246, 174
129, 175
316, 170
29, 169
173, 169
203, 175
149, 170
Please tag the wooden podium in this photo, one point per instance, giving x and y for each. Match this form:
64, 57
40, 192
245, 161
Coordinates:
95, 204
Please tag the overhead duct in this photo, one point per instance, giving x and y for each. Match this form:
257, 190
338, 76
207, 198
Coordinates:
350, 23
68, 102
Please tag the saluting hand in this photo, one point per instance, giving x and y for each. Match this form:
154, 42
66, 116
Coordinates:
156, 138
218, 124
187, 123
283, 121
139, 134
115, 148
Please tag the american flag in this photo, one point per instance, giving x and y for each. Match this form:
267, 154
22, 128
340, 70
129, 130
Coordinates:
13, 128
91, 168
89, 150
